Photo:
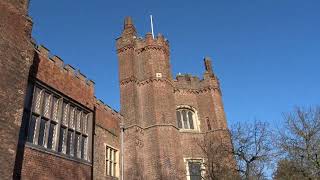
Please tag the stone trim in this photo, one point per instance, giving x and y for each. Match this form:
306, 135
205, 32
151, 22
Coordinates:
145, 81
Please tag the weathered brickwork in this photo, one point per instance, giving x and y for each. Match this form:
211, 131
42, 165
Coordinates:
39, 165
16, 51
107, 133
154, 145
64, 78
149, 99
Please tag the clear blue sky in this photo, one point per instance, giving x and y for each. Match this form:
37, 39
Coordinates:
265, 52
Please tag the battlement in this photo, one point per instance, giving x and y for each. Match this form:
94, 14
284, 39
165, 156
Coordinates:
130, 38
187, 81
148, 40
58, 62
108, 108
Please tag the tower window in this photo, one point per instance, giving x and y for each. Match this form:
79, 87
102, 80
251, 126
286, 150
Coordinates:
195, 169
186, 118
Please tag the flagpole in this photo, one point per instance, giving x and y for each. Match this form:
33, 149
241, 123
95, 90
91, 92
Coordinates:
151, 26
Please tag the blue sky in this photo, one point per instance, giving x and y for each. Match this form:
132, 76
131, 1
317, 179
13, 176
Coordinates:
265, 52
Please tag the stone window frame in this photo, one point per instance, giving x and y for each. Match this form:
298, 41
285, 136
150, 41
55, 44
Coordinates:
115, 161
197, 160
55, 117
196, 122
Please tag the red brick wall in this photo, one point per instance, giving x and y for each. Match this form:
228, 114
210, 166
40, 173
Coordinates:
107, 132
16, 55
63, 78
107, 118
43, 166
152, 150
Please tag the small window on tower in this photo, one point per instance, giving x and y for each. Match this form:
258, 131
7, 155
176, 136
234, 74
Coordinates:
195, 169
186, 118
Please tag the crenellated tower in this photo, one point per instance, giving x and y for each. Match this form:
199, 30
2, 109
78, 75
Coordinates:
164, 118
147, 104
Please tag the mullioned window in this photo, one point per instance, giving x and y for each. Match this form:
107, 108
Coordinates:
58, 125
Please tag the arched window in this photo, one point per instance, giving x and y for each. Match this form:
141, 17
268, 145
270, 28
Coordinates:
186, 117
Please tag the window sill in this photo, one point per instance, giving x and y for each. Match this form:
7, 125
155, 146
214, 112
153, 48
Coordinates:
189, 131
57, 154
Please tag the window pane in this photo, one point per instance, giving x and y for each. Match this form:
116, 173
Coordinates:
32, 128
179, 119
185, 120
37, 99
71, 119
42, 132
110, 168
47, 105
65, 113
77, 150
55, 116
195, 170
62, 144
85, 123
70, 142
190, 116
84, 148
79, 118
51, 138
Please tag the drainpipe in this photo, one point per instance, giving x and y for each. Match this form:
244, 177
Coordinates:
122, 144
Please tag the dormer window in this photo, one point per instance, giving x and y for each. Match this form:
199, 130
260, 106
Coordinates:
186, 118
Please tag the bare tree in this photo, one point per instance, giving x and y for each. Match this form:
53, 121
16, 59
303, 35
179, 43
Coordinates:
219, 162
252, 149
288, 170
299, 141
246, 157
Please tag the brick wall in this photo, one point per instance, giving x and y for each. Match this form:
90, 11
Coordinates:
149, 98
107, 132
52, 72
16, 55
43, 166
63, 77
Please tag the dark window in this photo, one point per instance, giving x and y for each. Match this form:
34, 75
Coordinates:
195, 170
179, 119
83, 144
42, 132
190, 114
51, 135
52, 123
70, 143
32, 126
61, 139
77, 150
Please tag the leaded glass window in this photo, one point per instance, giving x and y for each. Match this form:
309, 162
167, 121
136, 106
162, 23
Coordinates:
186, 118
58, 124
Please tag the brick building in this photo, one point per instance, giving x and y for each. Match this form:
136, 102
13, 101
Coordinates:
53, 127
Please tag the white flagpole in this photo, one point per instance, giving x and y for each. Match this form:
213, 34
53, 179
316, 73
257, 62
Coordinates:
151, 26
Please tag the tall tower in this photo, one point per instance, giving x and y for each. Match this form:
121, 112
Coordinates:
151, 142
16, 54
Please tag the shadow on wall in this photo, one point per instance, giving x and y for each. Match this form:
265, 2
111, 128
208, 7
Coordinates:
25, 120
